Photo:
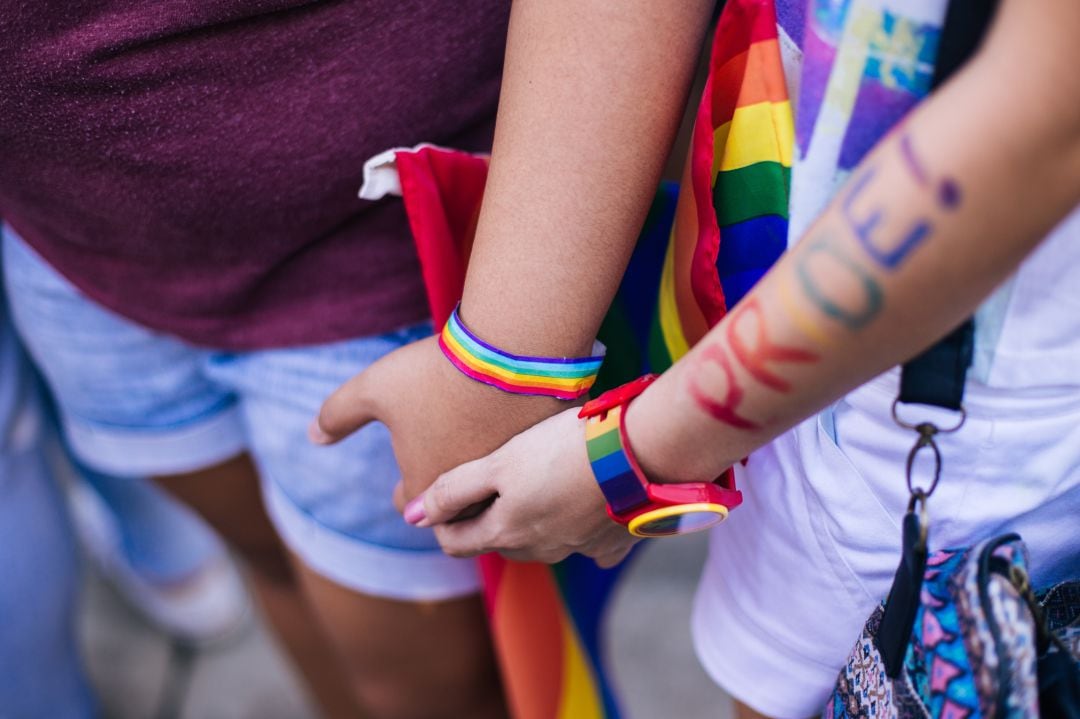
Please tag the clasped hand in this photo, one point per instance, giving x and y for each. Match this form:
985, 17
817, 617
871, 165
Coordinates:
544, 502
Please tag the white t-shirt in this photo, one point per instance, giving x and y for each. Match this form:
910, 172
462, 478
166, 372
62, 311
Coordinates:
794, 572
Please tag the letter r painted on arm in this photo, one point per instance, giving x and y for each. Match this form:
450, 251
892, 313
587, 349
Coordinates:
725, 408
757, 354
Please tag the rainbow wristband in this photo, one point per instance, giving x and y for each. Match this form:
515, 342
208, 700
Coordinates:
562, 378
615, 468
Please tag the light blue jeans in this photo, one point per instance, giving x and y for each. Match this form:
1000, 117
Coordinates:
135, 402
40, 670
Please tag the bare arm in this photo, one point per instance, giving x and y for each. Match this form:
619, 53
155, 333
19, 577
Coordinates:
592, 96
938, 215
941, 212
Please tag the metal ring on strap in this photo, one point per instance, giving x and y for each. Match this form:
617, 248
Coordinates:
926, 439
915, 427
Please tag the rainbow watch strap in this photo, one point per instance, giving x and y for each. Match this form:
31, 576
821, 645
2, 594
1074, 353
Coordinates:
562, 378
620, 484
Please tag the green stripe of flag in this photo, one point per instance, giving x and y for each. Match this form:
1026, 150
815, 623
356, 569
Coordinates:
752, 191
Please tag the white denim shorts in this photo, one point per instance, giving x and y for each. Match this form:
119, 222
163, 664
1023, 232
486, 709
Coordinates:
795, 571
134, 402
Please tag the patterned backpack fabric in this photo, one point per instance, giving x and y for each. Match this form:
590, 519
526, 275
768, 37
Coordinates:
976, 645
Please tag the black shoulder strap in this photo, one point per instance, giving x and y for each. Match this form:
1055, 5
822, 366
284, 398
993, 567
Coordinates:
937, 376
966, 22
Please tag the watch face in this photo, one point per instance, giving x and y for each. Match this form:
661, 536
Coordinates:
678, 520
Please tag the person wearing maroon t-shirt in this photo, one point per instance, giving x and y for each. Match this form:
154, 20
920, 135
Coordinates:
190, 266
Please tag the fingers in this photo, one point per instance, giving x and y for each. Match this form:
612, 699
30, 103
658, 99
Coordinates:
469, 538
349, 408
473, 483
489, 533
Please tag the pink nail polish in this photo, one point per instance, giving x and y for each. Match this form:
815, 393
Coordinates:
316, 434
414, 511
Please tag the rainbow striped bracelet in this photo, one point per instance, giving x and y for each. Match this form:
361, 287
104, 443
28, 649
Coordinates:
562, 378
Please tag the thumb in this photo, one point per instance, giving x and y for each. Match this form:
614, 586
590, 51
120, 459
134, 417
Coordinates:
471, 484
349, 408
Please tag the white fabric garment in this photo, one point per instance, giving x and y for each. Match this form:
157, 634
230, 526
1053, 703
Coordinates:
794, 572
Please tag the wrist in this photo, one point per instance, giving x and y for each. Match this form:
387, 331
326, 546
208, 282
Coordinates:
534, 329
472, 395
565, 378
646, 507
656, 427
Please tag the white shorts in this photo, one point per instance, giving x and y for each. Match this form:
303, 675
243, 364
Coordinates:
793, 573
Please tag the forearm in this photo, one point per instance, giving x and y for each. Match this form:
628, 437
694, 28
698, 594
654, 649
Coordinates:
961, 193
592, 97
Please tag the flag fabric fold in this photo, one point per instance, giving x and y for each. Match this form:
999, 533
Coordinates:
736, 183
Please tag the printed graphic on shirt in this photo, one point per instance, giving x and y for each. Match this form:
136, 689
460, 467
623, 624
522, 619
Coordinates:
866, 64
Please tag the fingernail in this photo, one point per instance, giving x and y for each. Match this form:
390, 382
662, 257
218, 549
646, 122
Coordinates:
315, 433
414, 511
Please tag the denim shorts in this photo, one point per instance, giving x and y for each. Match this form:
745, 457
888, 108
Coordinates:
135, 402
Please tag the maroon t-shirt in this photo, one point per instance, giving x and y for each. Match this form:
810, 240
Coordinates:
194, 164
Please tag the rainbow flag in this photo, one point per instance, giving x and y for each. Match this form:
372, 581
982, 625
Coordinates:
736, 184
545, 620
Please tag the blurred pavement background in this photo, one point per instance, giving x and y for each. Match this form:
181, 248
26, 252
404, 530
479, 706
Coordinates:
135, 668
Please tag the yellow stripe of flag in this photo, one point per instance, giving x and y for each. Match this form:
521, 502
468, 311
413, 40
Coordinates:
670, 326
756, 133
580, 698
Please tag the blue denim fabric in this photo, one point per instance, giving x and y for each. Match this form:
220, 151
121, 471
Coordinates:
40, 671
114, 376
161, 539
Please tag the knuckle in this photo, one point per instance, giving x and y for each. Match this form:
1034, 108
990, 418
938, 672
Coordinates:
611, 561
498, 463
444, 492
449, 545
502, 534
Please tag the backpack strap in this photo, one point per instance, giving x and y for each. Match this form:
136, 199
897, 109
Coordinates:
936, 377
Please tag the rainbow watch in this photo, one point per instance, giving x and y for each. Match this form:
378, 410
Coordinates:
647, 509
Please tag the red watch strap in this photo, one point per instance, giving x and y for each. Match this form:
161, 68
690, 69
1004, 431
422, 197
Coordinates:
615, 397
627, 489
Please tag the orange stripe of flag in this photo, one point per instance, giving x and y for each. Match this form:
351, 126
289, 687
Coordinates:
686, 235
527, 628
736, 32
749, 78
